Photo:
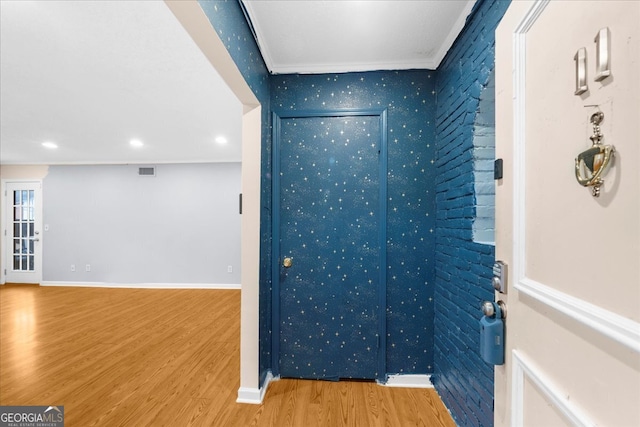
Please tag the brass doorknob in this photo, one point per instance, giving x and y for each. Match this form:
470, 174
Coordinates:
287, 262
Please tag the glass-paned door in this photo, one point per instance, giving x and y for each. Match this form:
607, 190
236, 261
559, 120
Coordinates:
24, 237
23, 232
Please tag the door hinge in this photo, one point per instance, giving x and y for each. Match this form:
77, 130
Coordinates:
378, 338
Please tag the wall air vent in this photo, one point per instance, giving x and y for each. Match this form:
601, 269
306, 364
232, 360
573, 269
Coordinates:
147, 171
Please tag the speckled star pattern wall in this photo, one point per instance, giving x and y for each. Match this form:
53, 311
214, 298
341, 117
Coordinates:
228, 20
409, 98
329, 229
465, 386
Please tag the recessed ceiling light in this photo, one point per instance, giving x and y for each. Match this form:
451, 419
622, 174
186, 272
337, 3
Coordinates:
221, 140
136, 143
50, 145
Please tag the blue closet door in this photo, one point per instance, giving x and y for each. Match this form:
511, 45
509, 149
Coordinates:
330, 222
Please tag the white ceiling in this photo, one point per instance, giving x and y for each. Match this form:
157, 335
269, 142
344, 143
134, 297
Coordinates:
91, 75
326, 36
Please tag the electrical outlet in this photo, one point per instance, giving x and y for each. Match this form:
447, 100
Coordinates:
73, 267
229, 269
87, 267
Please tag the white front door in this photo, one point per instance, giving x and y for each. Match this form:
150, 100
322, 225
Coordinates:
23, 232
573, 298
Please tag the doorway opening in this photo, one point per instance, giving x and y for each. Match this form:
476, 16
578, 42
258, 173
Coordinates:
329, 240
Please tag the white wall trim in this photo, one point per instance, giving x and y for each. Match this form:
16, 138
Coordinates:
454, 32
142, 285
255, 396
341, 67
249, 395
614, 326
523, 368
618, 328
519, 135
408, 381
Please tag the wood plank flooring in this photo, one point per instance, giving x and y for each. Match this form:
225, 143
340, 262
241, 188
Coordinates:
142, 357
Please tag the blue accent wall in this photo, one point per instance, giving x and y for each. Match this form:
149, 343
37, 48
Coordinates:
431, 255
463, 268
227, 18
409, 97
330, 195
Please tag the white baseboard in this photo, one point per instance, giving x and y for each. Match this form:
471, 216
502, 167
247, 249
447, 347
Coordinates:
255, 396
410, 381
142, 285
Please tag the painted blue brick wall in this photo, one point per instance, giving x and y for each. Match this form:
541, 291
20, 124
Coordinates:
228, 20
409, 97
463, 268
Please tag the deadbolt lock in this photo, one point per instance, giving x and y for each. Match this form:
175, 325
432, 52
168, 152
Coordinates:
287, 262
499, 279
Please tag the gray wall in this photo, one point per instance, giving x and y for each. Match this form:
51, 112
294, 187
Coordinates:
181, 226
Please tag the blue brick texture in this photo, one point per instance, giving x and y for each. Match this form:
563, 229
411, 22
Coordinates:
463, 268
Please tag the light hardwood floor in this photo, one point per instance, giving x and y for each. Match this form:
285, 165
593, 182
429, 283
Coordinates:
134, 357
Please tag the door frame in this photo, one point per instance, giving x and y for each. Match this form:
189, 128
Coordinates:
6, 247
382, 228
